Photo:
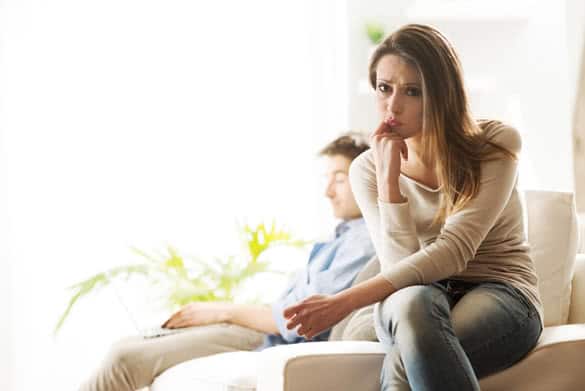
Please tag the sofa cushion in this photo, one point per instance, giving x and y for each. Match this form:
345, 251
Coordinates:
555, 364
581, 232
577, 312
322, 366
552, 234
231, 371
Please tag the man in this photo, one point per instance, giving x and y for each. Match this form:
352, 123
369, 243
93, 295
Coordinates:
134, 362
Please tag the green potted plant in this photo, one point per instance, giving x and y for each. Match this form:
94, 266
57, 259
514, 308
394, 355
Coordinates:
184, 280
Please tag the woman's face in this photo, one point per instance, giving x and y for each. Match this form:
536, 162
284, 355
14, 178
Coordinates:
399, 95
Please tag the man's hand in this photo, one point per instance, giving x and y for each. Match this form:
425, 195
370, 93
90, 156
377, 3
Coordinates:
387, 146
316, 314
199, 314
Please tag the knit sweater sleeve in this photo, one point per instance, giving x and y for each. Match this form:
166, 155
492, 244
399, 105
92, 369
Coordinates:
462, 233
391, 226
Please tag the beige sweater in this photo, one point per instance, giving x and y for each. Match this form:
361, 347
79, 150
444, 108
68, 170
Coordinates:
485, 241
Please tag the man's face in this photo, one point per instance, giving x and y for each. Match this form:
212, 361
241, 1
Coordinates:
338, 189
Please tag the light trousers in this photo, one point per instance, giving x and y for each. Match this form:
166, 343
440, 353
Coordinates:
134, 362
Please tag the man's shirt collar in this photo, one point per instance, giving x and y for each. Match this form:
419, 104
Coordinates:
346, 225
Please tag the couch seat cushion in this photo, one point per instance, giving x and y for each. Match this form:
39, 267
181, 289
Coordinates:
232, 371
556, 363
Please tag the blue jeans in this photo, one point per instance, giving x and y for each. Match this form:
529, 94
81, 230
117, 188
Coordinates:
447, 335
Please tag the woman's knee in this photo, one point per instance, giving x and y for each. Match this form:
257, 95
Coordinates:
412, 303
413, 308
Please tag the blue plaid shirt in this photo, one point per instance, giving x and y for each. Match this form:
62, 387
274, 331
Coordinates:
331, 268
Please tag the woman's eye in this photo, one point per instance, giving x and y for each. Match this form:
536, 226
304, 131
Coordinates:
412, 91
383, 88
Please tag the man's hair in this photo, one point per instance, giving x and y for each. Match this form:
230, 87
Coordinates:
349, 145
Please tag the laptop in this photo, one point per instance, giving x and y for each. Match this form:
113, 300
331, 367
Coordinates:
146, 332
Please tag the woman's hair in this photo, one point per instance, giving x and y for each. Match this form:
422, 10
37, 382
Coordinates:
452, 140
350, 145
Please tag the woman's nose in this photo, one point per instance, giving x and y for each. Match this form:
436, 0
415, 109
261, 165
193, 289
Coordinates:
394, 104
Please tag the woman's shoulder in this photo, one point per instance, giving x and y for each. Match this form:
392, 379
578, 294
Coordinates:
364, 163
502, 134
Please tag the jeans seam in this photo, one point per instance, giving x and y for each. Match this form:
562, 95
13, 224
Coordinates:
446, 339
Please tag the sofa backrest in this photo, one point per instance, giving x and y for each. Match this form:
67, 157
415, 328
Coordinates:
552, 233
577, 310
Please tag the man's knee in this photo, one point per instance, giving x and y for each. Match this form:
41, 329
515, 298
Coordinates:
124, 355
118, 370
361, 326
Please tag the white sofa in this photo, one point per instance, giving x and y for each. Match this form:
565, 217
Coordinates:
556, 364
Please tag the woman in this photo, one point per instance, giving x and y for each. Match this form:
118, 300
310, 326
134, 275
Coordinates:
457, 295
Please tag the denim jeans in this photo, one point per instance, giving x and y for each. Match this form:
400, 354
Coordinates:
447, 335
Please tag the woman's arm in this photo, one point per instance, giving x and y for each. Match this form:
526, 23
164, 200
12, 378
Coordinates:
390, 224
464, 231
319, 313
457, 243
349, 257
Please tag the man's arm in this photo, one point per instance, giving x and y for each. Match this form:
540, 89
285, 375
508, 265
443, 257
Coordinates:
349, 257
257, 317
254, 316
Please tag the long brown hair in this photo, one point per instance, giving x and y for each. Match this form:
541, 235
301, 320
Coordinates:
452, 141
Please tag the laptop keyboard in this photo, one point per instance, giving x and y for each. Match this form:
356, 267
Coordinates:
154, 332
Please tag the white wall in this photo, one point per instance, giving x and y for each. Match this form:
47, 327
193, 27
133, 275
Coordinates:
5, 283
147, 123
6, 336
575, 13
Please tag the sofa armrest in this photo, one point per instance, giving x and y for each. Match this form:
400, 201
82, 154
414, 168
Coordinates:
331, 365
577, 309
556, 363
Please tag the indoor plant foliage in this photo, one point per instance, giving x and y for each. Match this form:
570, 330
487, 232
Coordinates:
375, 32
187, 279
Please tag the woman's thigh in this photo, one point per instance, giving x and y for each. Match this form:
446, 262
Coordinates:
496, 326
412, 306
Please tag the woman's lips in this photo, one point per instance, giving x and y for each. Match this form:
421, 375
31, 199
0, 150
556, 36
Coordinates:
393, 122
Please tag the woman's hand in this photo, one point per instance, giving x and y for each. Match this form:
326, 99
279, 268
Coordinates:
316, 314
199, 314
387, 146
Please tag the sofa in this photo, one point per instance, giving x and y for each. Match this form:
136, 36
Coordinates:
557, 363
